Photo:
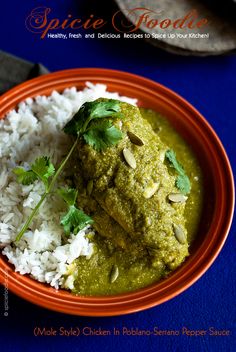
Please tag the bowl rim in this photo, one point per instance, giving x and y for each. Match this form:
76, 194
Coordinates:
158, 293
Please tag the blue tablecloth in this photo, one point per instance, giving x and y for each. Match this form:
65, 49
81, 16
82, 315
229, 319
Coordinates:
210, 85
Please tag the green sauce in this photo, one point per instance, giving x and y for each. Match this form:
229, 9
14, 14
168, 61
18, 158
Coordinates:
139, 267
190, 163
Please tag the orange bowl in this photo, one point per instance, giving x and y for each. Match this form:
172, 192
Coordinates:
218, 193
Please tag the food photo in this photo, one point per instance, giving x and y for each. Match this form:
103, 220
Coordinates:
116, 184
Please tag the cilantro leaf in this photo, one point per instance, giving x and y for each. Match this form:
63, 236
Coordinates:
74, 126
75, 220
89, 111
106, 108
170, 155
182, 181
26, 177
69, 195
43, 168
183, 184
103, 135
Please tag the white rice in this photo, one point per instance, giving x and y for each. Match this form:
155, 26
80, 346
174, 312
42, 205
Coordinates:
33, 130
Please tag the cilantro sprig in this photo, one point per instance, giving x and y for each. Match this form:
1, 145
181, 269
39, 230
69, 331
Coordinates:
42, 169
182, 181
102, 135
75, 219
99, 135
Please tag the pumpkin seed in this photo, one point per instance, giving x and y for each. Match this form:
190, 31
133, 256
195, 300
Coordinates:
129, 158
177, 197
120, 124
162, 155
114, 273
151, 190
135, 139
179, 234
90, 187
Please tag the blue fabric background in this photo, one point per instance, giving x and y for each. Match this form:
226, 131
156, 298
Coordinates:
210, 85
